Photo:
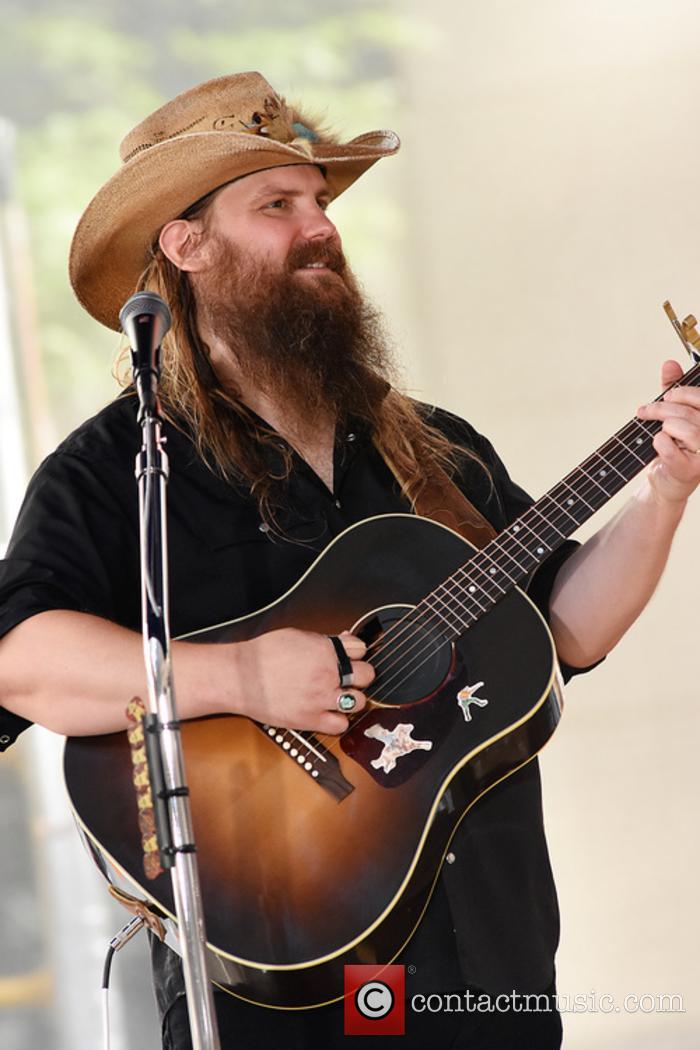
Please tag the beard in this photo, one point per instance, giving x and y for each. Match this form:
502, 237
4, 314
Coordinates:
311, 342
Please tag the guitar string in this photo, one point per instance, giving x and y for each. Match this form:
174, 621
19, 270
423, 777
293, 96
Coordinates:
521, 525
623, 453
496, 563
649, 428
602, 454
509, 562
409, 665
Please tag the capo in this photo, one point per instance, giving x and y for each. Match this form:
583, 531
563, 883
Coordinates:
686, 330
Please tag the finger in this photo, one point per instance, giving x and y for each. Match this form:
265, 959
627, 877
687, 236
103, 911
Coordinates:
671, 372
331, 722
687, 434
685, 395
362, 673
354, 646
674, 459
666, 409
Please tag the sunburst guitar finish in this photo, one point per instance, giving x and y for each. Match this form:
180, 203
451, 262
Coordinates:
315, 852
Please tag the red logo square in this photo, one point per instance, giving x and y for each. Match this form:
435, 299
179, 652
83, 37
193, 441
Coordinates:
375, 1000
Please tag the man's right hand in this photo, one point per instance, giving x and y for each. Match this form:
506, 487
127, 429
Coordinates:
289, 678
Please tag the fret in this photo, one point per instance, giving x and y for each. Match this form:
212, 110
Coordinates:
573, 502
509, 558
536, 534
601, 476
443, 615
472, 591
630, 446
563, 507
508, 553
538, 509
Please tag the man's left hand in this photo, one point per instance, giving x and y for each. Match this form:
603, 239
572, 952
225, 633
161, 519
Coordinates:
676, 472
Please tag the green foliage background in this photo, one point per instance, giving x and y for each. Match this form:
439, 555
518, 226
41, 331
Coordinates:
74, 79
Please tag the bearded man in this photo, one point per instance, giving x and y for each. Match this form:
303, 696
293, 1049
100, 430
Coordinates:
283, 429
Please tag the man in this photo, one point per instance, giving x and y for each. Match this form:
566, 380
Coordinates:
283, 430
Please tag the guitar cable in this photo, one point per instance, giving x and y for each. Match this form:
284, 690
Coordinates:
131, 928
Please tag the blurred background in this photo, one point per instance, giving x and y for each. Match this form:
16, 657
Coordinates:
544, 204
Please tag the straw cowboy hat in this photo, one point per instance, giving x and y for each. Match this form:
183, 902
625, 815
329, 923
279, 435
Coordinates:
207, 136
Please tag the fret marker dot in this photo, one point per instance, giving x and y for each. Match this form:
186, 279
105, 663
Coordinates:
314, 773
540, 550
286, 745
516, 528
307, 765
569, 503
602, 473
638, 441
492, 570
472, 589
279, 738
294, 752
300, 760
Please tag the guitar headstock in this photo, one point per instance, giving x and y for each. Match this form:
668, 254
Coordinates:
686, 330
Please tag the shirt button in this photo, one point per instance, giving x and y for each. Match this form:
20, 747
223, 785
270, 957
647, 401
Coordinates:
4, 739
450, 858
351, 437
338, 504
264, 527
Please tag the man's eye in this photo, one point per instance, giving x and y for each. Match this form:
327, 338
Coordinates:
280, 203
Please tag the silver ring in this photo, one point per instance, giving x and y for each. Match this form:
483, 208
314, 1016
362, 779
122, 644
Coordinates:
346, 702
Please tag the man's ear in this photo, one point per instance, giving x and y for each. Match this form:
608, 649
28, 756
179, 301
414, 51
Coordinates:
183, 242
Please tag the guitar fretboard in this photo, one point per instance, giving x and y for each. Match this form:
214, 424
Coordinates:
509, 558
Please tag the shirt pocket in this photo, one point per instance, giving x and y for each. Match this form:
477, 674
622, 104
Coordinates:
227, 566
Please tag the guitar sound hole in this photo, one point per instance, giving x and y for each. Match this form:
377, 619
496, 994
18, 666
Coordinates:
412, 660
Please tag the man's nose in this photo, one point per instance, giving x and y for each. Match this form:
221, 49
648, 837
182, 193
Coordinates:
317, 226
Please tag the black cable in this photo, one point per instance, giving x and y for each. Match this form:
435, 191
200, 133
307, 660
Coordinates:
107, 968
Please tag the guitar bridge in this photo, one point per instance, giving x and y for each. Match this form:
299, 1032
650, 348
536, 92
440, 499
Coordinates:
312, 757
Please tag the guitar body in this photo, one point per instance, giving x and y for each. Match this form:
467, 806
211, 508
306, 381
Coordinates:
308, 866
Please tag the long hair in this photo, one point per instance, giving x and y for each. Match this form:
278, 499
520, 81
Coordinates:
232, 441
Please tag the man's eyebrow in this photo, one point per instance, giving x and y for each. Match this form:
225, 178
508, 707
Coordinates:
273, 189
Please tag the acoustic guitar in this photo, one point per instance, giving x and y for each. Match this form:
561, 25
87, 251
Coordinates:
318, 851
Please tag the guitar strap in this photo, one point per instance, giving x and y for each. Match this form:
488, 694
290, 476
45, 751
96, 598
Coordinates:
442, 501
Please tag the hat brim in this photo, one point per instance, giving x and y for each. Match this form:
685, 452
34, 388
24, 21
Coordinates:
111, 243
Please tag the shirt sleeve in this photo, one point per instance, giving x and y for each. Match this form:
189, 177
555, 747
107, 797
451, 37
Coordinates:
67, 549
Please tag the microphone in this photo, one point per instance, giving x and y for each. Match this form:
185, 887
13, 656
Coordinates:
145, 320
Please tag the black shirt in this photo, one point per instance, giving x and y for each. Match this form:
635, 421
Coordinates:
493, 921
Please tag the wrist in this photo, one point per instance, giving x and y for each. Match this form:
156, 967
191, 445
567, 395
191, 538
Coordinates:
209, 678
664, 498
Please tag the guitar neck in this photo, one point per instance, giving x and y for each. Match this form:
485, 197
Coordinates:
513, 555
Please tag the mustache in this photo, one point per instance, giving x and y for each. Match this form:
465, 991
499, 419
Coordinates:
326, 252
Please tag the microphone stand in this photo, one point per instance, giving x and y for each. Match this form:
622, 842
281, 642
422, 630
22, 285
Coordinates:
161, 725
